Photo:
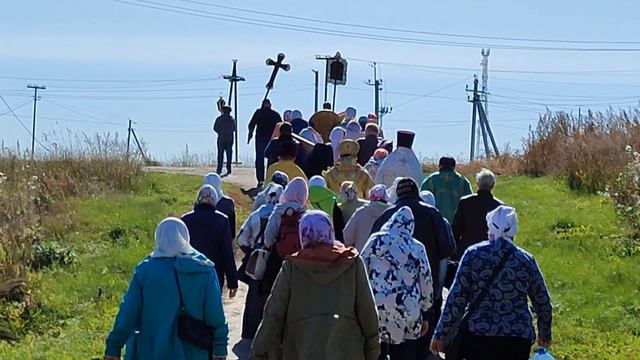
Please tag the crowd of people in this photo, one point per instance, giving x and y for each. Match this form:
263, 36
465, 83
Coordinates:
347, 253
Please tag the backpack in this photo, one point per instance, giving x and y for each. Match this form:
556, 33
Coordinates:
288, 241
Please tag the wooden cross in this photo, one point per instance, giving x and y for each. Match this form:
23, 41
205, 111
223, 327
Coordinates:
277, 65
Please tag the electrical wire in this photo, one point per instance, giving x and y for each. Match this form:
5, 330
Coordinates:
23, 125
409, 31
348, 34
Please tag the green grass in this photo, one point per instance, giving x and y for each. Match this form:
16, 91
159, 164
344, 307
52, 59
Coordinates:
575, 238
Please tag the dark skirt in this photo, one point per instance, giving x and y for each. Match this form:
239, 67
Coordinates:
253, 309
477, 347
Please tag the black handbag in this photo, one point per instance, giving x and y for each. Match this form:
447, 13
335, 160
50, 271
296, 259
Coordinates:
193, 330
454, 348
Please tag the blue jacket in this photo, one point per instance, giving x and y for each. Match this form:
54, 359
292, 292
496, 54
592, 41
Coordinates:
148, 313
505, 309
210, 234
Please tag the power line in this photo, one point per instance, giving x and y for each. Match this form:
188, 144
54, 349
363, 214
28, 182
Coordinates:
22, 124
348, 34
365, 26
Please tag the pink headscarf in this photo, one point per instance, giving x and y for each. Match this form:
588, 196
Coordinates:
296, 191
378, 193
380, 154
316, 228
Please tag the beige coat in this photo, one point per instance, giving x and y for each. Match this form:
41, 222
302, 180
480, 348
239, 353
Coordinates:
358, 229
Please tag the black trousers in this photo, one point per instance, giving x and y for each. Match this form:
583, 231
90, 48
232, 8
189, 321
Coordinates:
476, 347
261, 145
224, 147
253, 309
404, 351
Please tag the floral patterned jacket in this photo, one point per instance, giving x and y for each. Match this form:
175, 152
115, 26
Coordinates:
400, 277
505, 309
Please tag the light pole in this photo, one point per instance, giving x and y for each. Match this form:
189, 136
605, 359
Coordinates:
33, 128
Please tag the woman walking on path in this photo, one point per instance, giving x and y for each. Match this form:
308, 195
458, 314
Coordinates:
224, 204
357, 231
498, 324
210, 234
321, 306
400, 276
147, 319
250, 238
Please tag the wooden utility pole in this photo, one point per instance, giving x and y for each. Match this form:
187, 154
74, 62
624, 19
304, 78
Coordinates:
233, 90
35, 102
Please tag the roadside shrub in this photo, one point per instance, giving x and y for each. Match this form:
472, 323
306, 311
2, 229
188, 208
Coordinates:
48, 254
587, 151
625, 191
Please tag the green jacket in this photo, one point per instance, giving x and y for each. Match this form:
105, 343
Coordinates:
447, 186
322, 198
319, 311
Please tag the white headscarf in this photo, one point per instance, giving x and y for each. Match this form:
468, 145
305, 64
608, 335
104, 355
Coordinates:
336, 137
207, 195
214, 180
172, 239
317, 180
502, 223
354, 131
427, 197
296, 191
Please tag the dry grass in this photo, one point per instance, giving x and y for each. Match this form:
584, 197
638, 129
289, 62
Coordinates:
587, 151
31, 193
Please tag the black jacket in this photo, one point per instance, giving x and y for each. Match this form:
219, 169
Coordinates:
470, 223
225, 126
368, 146
227, 206
264, 122
318, 160
431, 230
210, 233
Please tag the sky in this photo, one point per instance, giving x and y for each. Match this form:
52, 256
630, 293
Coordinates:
105, 62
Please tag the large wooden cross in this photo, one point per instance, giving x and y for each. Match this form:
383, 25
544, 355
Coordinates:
277, 65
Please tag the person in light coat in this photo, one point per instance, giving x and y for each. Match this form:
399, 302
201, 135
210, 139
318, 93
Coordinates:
357, 230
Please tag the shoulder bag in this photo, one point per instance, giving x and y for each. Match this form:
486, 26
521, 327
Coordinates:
454, 348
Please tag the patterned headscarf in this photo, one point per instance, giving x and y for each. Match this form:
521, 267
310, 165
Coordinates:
296, 191
172, 239
317, 180
316, 228
274, 192
280, 178
401, 223
502, 223
207, 195
348, 191
214, 180
378, 193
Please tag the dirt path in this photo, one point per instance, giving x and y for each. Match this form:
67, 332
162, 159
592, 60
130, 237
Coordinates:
233, 308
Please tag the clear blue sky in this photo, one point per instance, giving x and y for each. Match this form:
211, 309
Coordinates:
104, 40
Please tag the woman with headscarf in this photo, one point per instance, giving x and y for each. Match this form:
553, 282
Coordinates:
336, 137
353, 131
224, 204
251, 237
357, 230
210, 233
321, 198
349, 201
281, 233
146, 321
279, 178
492, 289
375, 161
398, 268
321, 306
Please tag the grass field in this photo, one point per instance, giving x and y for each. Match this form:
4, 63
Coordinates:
576, 239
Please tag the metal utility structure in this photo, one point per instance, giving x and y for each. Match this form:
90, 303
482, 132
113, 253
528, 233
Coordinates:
316, 81
326, 59
131, 131
33, 127
484, 95
479, 118
233, 91
377, 86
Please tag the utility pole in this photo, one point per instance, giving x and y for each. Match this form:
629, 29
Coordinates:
129, 137
233, 90
326, 59
33, 128
484, 95
377, 85
483, 124
316, 78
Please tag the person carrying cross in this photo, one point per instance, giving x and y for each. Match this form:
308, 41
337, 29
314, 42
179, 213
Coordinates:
264, 120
